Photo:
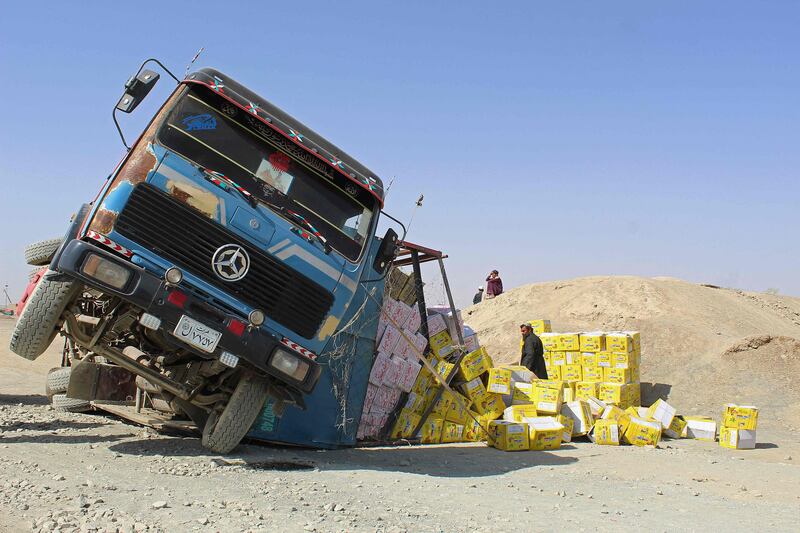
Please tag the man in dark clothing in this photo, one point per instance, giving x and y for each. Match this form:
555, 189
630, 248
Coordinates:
532, 352
478, 296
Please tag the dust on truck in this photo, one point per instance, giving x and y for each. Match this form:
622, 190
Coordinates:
217, 260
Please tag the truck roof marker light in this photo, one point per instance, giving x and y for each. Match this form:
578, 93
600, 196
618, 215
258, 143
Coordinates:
237, 327
177, 298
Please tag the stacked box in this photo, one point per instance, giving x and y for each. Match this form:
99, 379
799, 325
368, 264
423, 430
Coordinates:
516, 413
737, 439
508, 436
544, 433
474, 364
738, 428
540, 326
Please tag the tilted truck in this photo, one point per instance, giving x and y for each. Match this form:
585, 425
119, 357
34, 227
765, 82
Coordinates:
217, 260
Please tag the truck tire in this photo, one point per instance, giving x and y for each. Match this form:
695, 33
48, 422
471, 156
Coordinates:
35, 272
223, 432
57, 381
36, 327
70, 405
41, 253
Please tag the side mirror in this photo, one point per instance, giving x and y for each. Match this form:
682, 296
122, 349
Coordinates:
136, 89
386, 252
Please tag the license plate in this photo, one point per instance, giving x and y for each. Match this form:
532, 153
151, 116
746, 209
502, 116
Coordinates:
197, 334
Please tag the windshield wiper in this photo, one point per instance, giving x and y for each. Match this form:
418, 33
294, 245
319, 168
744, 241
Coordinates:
226, 184
300, 220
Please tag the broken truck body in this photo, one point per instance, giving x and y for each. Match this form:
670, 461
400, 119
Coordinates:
222, 263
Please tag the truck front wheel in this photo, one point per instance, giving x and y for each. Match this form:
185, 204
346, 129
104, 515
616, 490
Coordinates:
223, 431
39, 321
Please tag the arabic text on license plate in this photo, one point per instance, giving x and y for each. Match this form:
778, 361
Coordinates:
197, 334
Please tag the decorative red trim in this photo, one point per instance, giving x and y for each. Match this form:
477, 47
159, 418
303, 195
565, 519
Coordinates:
299, 349
102, 239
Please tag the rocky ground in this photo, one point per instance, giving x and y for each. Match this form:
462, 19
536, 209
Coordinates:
91, 472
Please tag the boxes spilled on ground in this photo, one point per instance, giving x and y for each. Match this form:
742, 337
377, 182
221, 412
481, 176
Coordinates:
592, 391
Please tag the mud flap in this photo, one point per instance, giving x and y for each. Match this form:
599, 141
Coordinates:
98, 381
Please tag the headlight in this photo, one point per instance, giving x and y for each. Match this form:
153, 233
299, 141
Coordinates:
106, 271
256, 317
173, 275
289, 364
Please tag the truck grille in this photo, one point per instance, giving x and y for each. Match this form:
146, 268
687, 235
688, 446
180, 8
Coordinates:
168, 227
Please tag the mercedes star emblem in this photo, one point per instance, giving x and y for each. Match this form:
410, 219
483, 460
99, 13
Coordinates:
230, 262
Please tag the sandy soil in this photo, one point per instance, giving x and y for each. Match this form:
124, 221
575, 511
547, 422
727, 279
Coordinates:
90, 472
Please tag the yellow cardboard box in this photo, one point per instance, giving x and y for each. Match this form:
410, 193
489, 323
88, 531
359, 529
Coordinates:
593, 341
611, 392
516, 413
452, 432
570, 342
444, 368
737, 439
596, 405
442, 405
584, 389
519, 373
739, 417
604, 359
550, 341
569, 391
540, 326
489, 404
544, 433
617, 375
605, 432
623, 360
474, 364
405, 425
554, 372
581, 415
675, 429
612, 412
662, 412
474, 430
619, 341
588, 359
431, 431
572, 373
523, 394
499, 381
508, 436
593, 374
548, 358
641, 432
440, 340
473, 388
548, 401
567, 423
558, 359
457, 412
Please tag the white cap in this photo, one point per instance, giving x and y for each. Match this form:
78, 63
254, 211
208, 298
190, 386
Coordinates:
480, 287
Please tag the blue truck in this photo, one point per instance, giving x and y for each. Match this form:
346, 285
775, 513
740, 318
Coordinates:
215, 266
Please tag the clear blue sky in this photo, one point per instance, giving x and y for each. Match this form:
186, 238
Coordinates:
550, 140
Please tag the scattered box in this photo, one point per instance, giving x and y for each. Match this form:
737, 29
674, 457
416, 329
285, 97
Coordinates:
523, 393
676, 428
581, 415
584, 389
499, 381
701, 428
544, 433
508, 436
605, 432
567, 423
474, 364
516, 413
641, 432
738, 439
662, 412
739, 417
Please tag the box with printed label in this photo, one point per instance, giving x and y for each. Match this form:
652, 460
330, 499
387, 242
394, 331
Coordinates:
569, 391
379, 367
604, 359
443, 368
473, 429
473, 388
596, 405
499, 381
457, 412
523, 394
516, 413
474, 364
605, 432
544, 433
550, 341
540, 326
519, 373
405, 425
570, 342
593, 341
554, 372
558, 359
593, 374
548, 401
618, 341
617, 375
489, 404
740, 417
548, 358
611, 392
584, 389
567, 423
572, 373
612, 412
738, 439
389, 340
471, 343
581, 415
623, 360
508, 436
662, 412
442, 405
588, 359
439, 341
641, 432
701, 428
675, 429
452, 432
436, 324
431, 431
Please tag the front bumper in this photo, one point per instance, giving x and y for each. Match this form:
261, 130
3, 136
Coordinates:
150, 293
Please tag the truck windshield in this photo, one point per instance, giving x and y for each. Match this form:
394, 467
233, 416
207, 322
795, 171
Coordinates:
218, 136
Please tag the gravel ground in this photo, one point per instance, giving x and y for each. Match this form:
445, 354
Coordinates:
91, 472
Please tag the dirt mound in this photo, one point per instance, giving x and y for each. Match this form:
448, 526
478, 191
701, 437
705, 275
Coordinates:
702, 346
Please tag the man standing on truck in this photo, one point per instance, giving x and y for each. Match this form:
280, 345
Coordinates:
532, 356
